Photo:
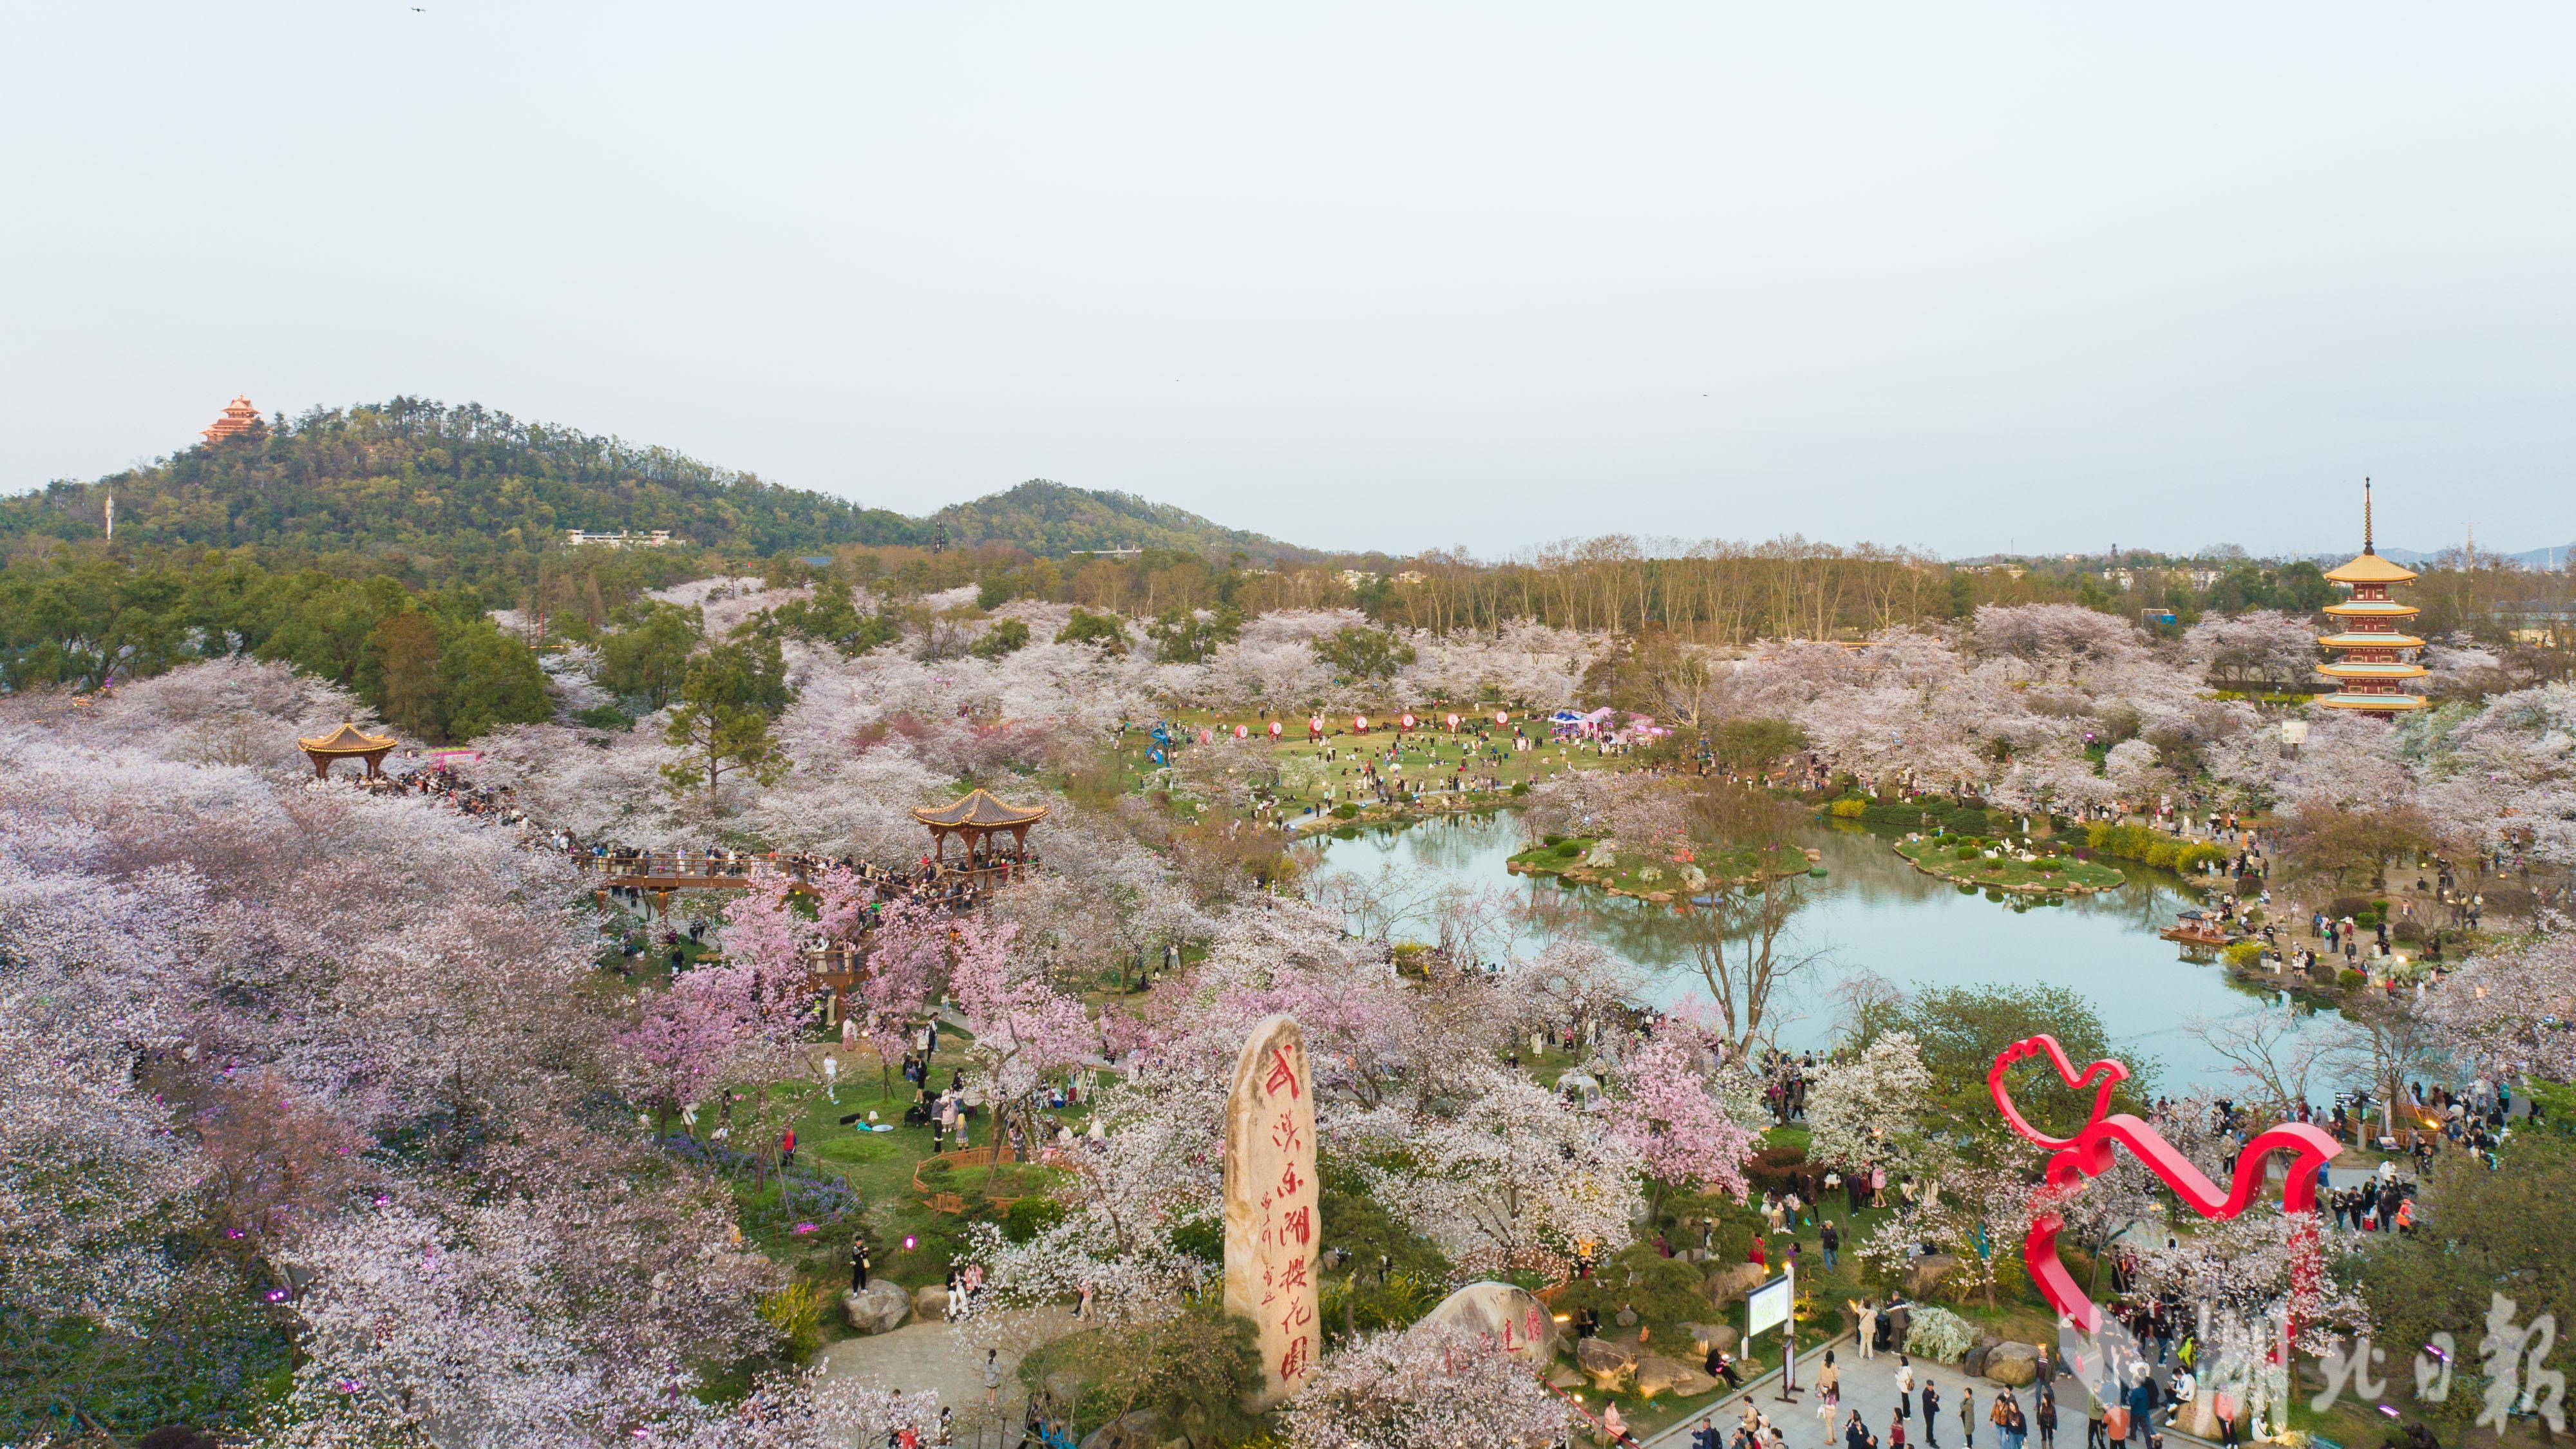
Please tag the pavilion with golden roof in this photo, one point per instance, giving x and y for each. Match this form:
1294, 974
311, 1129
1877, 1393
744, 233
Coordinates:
240, 420
348, 742
975, 819
2374, 667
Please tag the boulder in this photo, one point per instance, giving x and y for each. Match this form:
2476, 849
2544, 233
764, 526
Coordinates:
1927, 1273
1138, 1430
1657, 1374
2012, 1370
1508, 1316
1733, 1281
878, 1307
1974, 1363
1607, 1364
1625, 1318
1693, 1383
931, 1302
1561, 1377
1704, 1336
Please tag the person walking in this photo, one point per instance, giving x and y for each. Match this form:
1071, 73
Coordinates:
1904, 1386
2044, 1415
1833, 1242
1829, 1389
992, 1375
1968, 1415
1931, 1414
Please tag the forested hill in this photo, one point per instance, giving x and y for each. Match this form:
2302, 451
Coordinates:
1051, 519
438, 492
434, 493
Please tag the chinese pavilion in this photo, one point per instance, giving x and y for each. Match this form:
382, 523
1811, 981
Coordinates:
348, 742
975, 819
2374, 663
240, 420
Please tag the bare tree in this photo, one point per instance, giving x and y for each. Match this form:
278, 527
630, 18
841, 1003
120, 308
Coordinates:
2276, 1054
2387, 1043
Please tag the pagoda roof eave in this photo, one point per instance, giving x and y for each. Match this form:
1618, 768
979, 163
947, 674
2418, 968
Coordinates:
979, 810
2371, 641
2370, 568
348, 739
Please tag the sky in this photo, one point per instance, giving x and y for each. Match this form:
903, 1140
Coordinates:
1956, 277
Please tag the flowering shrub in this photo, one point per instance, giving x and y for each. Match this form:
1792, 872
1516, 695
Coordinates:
1938, 1333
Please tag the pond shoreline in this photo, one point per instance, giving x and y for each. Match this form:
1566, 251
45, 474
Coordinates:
1873, 912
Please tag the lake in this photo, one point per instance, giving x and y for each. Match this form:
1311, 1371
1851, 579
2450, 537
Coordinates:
1872, 912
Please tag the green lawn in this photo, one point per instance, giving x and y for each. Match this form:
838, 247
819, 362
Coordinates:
1945, 857
1429, 756
1647, 873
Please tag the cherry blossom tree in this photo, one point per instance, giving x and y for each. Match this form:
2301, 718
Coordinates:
1867, 1108
1515, 1171
2507, 1011
1430, 1386
1666, 1115
1023, 1026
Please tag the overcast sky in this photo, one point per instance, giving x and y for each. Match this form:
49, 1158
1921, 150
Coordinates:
1950, 276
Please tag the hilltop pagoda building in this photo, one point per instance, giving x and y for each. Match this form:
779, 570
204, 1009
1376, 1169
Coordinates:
240, 420
2374, 667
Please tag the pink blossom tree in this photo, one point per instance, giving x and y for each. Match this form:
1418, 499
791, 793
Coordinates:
1669, 1118
1023, 1026
1430, 1386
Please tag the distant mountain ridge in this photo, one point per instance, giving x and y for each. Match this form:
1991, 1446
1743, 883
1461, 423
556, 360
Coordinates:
1051, 518
422, 489
2530, 558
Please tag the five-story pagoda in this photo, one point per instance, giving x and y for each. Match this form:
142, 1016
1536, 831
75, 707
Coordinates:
2374, 667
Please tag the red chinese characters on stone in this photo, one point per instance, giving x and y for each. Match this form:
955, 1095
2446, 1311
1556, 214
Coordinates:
1282, 1074
1298, 1223
1299, 1358
1284, 1134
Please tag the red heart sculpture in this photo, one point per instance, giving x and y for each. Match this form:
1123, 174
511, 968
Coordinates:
2088, 1154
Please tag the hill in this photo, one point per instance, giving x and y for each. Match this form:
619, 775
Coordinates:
1052, 519
434, 493
420, 489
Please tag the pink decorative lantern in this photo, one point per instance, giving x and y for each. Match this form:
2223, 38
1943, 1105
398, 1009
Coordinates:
1241, 732
1502, 716
1360, 722
1274, 729
1407, 721
1453, 723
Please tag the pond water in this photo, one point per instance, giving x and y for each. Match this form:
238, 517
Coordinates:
1871, 912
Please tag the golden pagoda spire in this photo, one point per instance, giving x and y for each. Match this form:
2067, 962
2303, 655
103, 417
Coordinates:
2365, 516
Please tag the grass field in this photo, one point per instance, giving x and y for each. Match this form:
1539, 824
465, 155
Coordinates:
2047, 875
1658, 875
1302, 770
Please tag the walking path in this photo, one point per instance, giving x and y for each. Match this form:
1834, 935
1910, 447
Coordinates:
1868, 1385
931, 1356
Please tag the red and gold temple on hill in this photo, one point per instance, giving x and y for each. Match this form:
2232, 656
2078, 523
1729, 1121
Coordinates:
240, 420
2374, 667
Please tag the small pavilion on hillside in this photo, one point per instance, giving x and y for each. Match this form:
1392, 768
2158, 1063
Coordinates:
975, 820
348, 742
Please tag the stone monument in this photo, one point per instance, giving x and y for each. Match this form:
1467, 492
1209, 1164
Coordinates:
1271, 1232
